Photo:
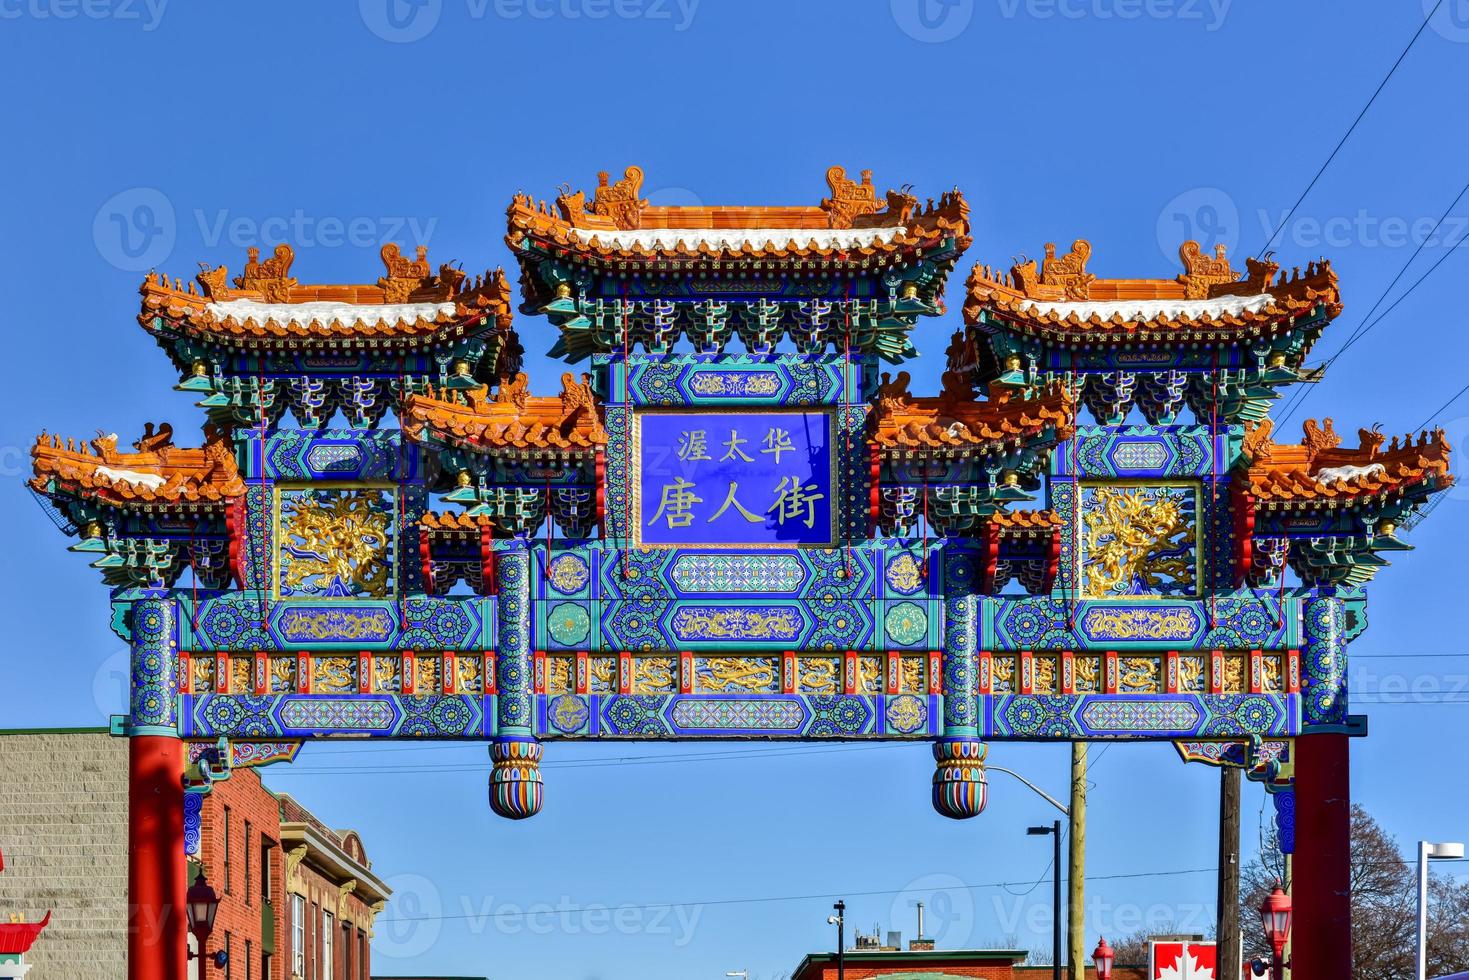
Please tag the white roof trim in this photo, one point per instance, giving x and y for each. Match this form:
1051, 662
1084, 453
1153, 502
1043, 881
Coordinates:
150, 480
737, 238
1153, 309
326, 313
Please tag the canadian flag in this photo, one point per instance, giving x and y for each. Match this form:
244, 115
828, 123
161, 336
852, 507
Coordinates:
1182, 961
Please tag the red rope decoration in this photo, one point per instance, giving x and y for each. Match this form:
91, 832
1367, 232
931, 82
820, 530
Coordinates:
627, 465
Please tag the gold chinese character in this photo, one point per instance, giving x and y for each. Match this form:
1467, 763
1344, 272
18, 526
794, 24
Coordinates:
677, 499
693, 445
733, 445
794, 501
778, 441
730, 501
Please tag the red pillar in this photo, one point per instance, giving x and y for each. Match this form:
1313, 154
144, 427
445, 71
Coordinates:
1321, 901
157, 880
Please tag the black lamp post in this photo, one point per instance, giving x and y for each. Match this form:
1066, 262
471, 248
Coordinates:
1055, 831
840, 921
202, 903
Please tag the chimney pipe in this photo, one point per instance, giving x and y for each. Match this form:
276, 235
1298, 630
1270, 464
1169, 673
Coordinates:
920, 920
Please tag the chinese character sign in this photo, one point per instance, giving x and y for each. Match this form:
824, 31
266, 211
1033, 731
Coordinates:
756, 479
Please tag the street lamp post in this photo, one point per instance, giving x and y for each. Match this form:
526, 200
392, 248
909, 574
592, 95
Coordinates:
1103, 957
1429, 852
202, 904
1055, 831
1275, 920
840, 921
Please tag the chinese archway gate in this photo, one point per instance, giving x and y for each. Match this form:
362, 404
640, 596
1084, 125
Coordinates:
734, 525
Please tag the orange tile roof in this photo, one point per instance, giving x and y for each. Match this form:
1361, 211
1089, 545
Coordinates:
511, 419
1016, 521
1319, 470
458, 521
956, 421
158, 472
832, 229
1209, 297
408, 301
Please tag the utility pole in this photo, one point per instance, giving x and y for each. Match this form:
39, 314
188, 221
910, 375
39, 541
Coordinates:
1227, 931
1076, 870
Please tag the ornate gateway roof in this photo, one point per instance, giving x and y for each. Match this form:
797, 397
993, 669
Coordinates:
510, 421
1319, 472
956, 422
1209, 300
852, 273
409, 302
158, 472
852, 225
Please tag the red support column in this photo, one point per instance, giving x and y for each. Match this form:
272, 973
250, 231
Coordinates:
1321, 930
157, 882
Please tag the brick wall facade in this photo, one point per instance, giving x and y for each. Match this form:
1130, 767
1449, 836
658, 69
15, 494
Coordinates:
63, 828
951, 968
968, 963
329, 872
239, 844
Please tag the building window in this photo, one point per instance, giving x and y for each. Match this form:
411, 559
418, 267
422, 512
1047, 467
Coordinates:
328, 935
362, 954
265, 965
266, 844
249, 960
229, 956
227, 868
248, 899
298, 935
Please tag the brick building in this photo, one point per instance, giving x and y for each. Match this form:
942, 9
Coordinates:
297, 899
921, 961
280, 872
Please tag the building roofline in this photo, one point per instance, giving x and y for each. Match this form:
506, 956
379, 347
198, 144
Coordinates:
1016, 956
320, 845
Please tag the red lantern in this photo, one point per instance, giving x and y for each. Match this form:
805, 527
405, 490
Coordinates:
1275, 918
1103, 958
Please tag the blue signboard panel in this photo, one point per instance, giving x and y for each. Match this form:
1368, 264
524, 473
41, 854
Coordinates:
748, 479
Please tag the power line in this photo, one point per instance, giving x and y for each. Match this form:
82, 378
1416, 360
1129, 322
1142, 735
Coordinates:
574, 910
1362, 329
1437, 412
669, 759
1352, 128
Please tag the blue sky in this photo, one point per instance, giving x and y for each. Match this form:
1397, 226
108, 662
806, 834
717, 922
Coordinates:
166, 134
